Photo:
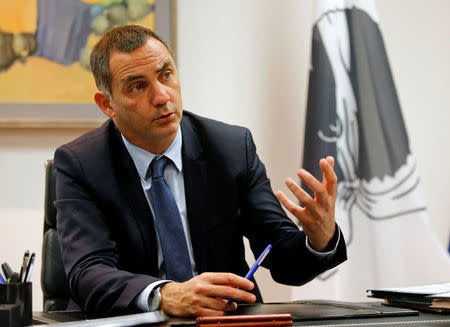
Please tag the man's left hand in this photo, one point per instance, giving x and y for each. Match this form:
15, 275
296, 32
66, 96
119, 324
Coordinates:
316, 215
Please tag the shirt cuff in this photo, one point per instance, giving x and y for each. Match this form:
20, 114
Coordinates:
142, 298
327, 254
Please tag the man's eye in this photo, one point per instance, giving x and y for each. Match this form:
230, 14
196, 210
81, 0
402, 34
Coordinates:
167, 74
137, 87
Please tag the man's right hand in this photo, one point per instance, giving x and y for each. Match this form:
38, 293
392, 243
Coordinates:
206, 295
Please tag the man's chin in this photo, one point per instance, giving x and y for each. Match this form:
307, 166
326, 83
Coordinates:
166, 131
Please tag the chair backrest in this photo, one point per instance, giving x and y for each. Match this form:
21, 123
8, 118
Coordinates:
53, 278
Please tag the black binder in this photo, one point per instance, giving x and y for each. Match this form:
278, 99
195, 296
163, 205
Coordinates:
320, 310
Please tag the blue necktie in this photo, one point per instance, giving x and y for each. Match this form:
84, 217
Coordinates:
168, 223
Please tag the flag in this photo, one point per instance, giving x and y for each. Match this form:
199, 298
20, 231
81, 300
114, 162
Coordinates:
353, 114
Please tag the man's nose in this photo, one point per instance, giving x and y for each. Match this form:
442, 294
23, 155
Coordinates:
160, 95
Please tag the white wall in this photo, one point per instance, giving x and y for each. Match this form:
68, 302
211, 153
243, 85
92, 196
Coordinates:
245, 62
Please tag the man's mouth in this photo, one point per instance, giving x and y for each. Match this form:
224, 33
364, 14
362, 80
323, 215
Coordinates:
165, 116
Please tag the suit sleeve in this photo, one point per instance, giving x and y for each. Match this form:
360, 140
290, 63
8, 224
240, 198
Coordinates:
89, 254
290, 262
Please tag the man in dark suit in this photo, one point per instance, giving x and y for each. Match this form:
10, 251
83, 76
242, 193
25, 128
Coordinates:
109, 221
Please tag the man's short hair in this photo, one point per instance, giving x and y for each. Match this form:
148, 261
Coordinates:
123, 38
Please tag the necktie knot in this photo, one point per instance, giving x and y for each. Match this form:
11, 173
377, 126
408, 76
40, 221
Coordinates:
157, 167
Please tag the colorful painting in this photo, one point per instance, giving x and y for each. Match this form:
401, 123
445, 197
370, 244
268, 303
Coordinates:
45, 45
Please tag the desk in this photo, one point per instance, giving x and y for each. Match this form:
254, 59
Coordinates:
422, 319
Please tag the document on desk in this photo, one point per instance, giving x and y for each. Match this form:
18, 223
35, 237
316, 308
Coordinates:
433, 297
422, 289
156, 318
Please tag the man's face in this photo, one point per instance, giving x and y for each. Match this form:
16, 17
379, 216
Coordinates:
146, 97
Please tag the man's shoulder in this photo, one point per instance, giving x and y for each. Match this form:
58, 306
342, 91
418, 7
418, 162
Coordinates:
93, 144
211, 127
218, 140
94, 138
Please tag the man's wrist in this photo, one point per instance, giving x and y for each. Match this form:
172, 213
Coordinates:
142, 299
330, 250
332, 244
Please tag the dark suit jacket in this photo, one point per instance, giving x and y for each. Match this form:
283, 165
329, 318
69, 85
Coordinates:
106, 230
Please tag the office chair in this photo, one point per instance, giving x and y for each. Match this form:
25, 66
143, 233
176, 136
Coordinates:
53, 277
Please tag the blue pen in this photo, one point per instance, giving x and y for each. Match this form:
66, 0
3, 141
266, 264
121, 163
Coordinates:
256, 265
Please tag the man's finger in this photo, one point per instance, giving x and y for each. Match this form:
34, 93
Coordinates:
302, 196
227, 279
329, 174
296, 210
330, 160
226, 292
316, 186
217, 304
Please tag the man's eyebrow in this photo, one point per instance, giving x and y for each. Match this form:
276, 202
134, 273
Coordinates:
131, 78
164, 66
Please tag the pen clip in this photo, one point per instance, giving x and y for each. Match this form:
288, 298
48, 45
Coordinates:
264, 254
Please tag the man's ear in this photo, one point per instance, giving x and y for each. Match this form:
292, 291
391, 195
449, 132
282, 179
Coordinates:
104, 102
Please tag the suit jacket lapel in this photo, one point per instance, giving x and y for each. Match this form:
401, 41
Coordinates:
195, 186
128, 178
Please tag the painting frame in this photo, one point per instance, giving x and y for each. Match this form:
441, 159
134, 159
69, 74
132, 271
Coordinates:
81, 115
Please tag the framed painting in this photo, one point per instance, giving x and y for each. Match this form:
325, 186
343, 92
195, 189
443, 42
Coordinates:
45, 78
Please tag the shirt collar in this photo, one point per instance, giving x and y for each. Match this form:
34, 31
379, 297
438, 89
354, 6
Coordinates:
142, 158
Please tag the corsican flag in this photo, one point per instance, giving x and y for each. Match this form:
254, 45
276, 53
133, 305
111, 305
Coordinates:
354, 114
